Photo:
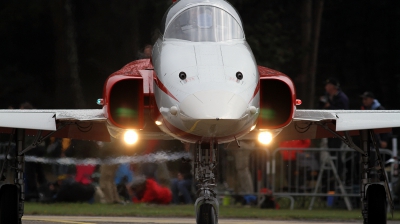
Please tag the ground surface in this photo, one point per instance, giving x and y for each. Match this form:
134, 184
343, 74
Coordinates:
136, 220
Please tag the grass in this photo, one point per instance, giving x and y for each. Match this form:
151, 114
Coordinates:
144, 210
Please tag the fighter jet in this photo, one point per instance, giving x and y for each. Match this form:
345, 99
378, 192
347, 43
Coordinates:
203, 87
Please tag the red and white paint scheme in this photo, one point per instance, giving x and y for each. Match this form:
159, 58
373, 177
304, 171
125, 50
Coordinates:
205, 81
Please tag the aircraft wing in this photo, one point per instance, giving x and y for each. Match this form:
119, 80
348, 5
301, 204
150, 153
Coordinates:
46, 119
80, 124
86, 124
348, 120
90, 124
312, 124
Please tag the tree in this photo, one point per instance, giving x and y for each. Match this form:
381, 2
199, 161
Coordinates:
66, 59
311, 26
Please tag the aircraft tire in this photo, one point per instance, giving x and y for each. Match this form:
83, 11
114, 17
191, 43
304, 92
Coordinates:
206, 215
376, 197
9, 204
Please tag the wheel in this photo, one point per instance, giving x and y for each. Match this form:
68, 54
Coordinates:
376, 197
9, 204
206, 215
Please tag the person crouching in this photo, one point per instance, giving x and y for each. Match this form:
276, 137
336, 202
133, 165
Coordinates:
149, 191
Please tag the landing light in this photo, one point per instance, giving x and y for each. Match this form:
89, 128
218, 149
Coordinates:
265, 137
131, 137
158, 123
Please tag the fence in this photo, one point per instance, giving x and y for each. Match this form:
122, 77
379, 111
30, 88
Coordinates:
316, 172
311, 173
307, 175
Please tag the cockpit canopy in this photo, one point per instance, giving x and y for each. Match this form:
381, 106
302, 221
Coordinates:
202, 21
204, 24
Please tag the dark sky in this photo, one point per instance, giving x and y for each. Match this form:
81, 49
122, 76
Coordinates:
358, 45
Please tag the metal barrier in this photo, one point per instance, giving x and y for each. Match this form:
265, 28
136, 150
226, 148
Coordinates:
316, 172
262, 172
310, 172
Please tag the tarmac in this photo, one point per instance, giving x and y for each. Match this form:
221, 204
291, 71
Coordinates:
137, 220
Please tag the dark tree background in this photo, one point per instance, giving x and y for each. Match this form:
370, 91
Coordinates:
57, 54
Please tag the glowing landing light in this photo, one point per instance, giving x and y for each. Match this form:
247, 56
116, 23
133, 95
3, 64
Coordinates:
130, 137
265, 137
158, 123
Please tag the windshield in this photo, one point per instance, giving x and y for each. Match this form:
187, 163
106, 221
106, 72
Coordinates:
204, 24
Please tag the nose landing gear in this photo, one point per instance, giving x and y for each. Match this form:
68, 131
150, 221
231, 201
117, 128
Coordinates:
206, 205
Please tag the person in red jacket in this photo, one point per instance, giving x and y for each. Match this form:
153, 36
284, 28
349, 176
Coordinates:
84, 174
149, 191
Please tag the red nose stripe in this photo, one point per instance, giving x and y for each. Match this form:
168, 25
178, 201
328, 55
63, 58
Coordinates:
163, 88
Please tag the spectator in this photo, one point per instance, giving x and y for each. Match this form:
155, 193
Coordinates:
56, 149
123, 176
84, 174
147, 52
182, 185
370, 103
107, 184
108, 171
65, 189
334, 99
148, 191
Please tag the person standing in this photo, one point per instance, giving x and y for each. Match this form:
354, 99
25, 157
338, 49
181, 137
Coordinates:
107, 184
123, 176
108, 172
334, 99
183, 183
369, 102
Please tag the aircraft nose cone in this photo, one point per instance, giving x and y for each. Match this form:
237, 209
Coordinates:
213, 105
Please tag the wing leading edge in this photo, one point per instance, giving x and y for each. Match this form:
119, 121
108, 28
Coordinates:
79, 124
87, 124
349, 120
314, 124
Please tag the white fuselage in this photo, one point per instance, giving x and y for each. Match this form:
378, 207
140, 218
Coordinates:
211, 103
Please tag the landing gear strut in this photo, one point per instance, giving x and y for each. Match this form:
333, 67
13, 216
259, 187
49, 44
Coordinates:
12, 196
206, 205
375, 196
